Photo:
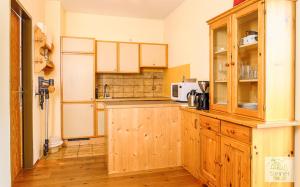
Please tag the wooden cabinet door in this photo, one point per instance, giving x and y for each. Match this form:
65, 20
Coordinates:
210, 157
107, 60
191, 143
100, 122
129, 58
77, 45
248, 61
220, 59
78, 120
154, 55
235, 159
78, 77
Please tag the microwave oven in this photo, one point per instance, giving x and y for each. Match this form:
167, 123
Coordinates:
180, 90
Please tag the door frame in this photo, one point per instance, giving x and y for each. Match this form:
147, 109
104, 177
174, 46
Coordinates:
27, 82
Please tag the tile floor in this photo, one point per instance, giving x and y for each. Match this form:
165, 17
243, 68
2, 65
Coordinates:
77, 149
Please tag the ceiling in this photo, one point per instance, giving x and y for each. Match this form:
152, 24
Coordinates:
152, 9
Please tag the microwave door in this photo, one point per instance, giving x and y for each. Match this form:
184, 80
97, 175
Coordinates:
175, 91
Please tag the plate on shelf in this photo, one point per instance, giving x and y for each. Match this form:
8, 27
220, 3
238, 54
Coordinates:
248, 105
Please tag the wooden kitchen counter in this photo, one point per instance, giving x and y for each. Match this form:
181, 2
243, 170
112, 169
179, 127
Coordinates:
134, 99
139, 104
142, 135
240, 120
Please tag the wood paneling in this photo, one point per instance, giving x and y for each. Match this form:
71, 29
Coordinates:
174, 74
275, 142
15, 102
191, 146
143, 138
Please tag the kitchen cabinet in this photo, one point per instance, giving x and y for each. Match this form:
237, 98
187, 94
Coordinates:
77, 45
154, 55
78, 120
191, 148
210, 164
78, 77
244, 54
129, 58
233, 149
235, 159
107, 60
78, 87
142, 137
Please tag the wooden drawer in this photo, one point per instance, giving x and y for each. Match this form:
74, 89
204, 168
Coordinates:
210, 123
237, 132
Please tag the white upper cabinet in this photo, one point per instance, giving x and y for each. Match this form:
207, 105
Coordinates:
129, 58
77, 45
154, 55
78, 77
107, 60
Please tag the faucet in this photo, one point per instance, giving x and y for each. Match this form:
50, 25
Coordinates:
105, 92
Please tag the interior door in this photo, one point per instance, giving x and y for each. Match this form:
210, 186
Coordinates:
248, 61
220, 59
16, 95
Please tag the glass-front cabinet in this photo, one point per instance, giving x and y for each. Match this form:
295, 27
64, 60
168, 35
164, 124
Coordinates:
220, 58
237, 45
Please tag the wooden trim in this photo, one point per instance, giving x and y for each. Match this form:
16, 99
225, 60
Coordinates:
233, 10
114, 41
226, 21
145, 171
77, 53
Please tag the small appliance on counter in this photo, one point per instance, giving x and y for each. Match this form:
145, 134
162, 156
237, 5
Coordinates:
192, 99
179, 91
203, 97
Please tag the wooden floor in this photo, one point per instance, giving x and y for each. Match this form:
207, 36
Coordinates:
91, 172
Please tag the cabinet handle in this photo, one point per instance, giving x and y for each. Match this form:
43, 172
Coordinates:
195, 123
227, 65
232, 63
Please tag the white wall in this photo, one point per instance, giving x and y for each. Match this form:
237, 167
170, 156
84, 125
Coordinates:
187, 34
54, 22
113, 28
5, 171
297, 141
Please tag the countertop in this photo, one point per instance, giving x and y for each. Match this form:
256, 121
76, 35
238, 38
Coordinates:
140, 104
245, 121
134, 99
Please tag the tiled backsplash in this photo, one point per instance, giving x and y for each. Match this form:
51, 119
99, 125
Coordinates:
145, 84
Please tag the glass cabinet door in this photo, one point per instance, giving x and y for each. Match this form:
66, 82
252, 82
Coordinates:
247, 61
220, 69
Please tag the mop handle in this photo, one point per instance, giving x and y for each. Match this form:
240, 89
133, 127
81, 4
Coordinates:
46, 118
